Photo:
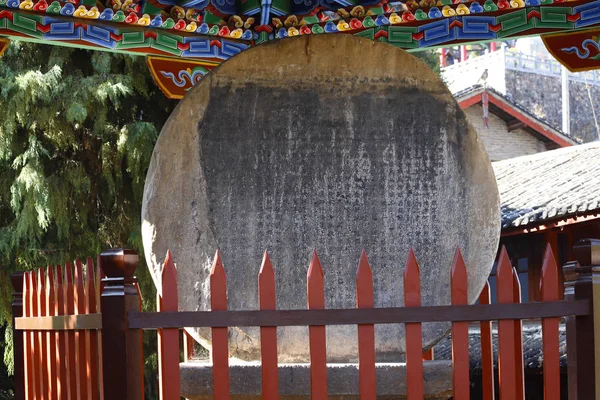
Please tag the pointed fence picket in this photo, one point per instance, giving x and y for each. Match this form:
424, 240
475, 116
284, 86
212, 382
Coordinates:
315, 285
70, 344
51, 356
507, 362
487, 349
168, 339
71, 358
414, 333
518, 326
366, 332
44, 383
220, 345
550, 340
268, 334
31, 341
92, 335
81, 352
460, 330
61, 336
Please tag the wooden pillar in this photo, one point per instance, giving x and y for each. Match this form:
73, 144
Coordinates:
583, 283
493, 46
463, 53
443, 58
123, 370
18, 351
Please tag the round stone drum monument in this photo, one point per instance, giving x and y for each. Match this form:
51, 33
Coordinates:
330, 142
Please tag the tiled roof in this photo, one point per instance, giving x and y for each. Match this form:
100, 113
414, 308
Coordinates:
550, 185
477, 89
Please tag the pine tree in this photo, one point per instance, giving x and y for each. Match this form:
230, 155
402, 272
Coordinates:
77, 129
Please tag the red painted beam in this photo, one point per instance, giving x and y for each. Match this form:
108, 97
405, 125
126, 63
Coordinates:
497, 101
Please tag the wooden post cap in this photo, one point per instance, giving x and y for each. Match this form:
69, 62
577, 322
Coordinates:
587, 252
119, 263
17, 281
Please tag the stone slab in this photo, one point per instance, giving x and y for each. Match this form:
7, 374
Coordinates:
334, 143
294, 381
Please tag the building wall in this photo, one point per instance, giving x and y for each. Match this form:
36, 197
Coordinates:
542, 95
499, 143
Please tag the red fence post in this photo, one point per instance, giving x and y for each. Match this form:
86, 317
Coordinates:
168, 339
18, 350
29, 338
61, 336
268, 334
220, 342
581, 332
315, 288
507, 363
92, 345
81, 335
550, 338
519, 371
366, 333
70, 348
487, 350
52, 358
36, 339
414, 334
123, 372
460, 330
43, 354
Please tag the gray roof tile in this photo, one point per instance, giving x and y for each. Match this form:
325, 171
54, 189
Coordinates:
553, 184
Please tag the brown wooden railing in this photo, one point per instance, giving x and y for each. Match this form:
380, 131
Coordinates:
64, 345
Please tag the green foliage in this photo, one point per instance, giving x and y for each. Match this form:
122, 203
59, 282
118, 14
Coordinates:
429, 57
6, 348
77, 129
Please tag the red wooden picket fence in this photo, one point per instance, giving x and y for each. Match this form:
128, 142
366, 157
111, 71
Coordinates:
61, 362
66, 348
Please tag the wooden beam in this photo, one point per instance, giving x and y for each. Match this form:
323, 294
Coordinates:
475, 98
550, 225
499, 102
59, 323
514, 125
355, 316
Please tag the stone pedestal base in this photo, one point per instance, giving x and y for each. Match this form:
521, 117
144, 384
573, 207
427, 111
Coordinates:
294, 381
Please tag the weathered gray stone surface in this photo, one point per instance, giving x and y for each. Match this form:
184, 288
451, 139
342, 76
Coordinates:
294, 381
329, 142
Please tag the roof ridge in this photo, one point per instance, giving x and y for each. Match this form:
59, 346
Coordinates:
549, 153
